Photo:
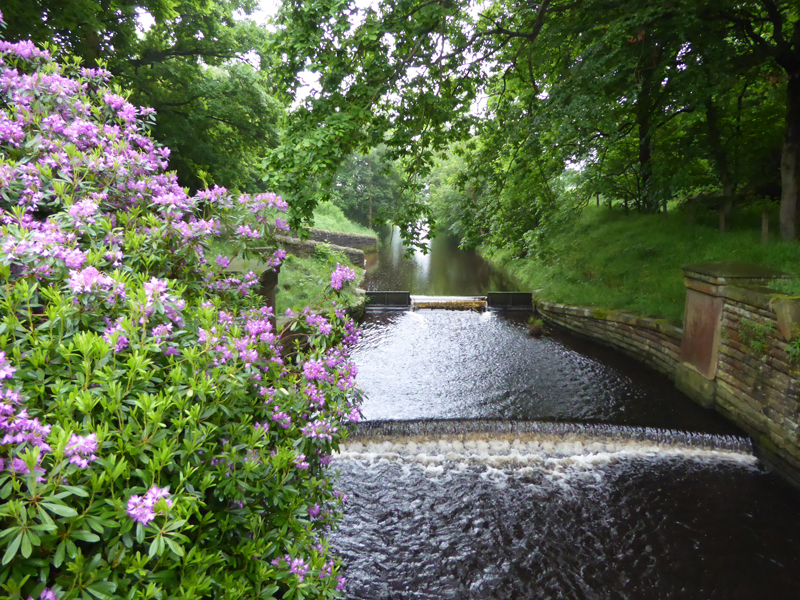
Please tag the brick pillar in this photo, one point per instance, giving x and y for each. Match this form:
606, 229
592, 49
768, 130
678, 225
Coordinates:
706, 285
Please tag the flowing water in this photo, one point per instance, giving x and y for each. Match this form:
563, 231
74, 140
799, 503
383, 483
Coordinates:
494, 465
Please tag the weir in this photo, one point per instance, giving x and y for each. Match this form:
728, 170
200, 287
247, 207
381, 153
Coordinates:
401, 300
591, 437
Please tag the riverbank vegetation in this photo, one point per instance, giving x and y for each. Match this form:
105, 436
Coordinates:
611, 260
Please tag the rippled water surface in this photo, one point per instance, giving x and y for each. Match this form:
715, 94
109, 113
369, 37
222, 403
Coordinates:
606, 525
456, 364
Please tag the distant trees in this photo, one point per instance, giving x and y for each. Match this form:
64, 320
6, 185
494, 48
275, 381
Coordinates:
368, 188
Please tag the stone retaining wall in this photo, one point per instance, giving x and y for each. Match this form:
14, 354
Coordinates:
755, 383
652, 341
349, 240
305, 248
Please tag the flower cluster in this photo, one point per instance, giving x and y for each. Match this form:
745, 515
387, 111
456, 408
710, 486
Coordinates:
143, 509
81, 449
340, 275
129, 357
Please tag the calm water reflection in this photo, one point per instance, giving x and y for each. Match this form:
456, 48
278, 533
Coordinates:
446, 270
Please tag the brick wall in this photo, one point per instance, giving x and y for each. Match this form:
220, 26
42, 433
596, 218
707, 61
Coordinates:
757, 384
349, 240
651, 341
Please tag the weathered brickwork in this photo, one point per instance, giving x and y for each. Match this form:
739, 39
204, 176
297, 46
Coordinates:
756, 383
306, 248
349, 240
654, 342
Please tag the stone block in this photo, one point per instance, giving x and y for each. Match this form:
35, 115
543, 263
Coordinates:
694, 384
701, 331
787, 311
361, 241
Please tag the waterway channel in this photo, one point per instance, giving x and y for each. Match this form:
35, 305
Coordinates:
496, 465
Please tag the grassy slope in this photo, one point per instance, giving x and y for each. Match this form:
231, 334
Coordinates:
329, 216
611, 260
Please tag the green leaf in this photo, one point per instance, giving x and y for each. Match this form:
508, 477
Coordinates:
60, 509
5, 491
153, 550
11, 551
76, 490
58, 558
102, 589
25, 547
174, 546
84, 535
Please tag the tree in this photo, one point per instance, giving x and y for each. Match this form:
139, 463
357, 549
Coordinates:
613, 89
216, 111
368, 187
385, 80
768, 32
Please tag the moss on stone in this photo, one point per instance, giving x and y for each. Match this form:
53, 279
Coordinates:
601, 313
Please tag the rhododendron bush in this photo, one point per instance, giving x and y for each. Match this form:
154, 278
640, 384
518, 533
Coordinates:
157, 438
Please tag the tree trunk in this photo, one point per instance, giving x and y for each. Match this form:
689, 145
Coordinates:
721, 161
644, 122
645, 161
790, 169
764, 225
92, 40
370, 212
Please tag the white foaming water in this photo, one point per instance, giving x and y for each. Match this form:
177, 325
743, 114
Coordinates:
499, 455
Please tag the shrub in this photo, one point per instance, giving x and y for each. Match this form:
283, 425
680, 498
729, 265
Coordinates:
157, 438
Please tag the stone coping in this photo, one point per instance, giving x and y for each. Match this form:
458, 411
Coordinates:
364, 236
361, 241
785, 307
724, 272
615, 316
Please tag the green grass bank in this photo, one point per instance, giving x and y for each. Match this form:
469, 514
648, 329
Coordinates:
330, 217
633, 262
